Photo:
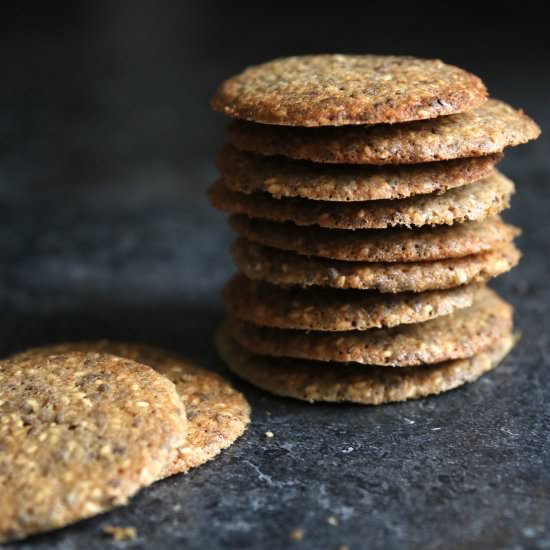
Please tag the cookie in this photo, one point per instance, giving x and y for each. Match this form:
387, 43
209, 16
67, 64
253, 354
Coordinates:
476, 201
482, 131
326, 309
79, 434
333, 90
280, 177
314, 381
379, 245
462, 334
217, 414
287, 269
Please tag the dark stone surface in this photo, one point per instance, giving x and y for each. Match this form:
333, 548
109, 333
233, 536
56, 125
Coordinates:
105, 232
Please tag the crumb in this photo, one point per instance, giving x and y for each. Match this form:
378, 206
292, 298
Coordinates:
297, 534
269, 434
331, 520
521, 287
343, 547
120, 533
176, 507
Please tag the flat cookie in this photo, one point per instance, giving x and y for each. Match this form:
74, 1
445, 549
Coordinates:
217, 414
280, 177
476, 201
326, 309
379, 245
288, 269
482, 131
320, 90
313, 381
464, 333
79, 434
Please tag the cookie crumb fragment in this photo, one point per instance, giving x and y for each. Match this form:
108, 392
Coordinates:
521, 287
269, 434
120, 533
331, 520
297, 534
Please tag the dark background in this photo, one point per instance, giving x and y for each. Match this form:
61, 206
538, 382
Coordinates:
106, 152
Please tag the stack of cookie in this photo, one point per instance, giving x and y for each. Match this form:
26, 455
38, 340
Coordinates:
367, 203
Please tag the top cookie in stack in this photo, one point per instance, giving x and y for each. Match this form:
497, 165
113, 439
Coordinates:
366, 200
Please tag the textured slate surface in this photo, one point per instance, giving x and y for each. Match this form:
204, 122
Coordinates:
105, 232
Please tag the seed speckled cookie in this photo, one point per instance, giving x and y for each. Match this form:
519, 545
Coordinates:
476, 201
482, 131
79, 434
280, 177
217, 414
462, 334
288, 269
320, 90
314, 381
379, 245
326, 309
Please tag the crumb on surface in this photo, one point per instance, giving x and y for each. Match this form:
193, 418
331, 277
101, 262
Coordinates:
297, 534
521, 287
331, 520
120, 533
269, 434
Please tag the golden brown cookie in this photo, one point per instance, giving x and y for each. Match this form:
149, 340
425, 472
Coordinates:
217, 414
482, 131
462, 334
315, 381
379, 245
288, 269
79, 434
472, 202
320, 90
280, 177
327, 309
